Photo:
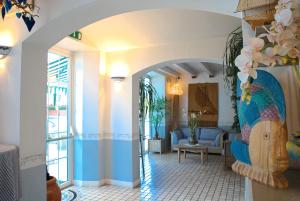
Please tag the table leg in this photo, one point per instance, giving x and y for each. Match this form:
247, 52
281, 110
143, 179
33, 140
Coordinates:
178, 151
184, 154
202, 155
206, 154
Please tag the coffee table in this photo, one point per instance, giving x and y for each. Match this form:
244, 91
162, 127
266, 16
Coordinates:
197, 148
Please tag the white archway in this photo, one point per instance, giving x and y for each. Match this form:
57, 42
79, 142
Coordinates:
34, 62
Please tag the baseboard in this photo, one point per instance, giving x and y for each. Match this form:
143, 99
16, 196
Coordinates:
88, 183
107, 181
122, 183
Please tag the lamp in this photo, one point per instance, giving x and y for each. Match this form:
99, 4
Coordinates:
177, 88
4, 51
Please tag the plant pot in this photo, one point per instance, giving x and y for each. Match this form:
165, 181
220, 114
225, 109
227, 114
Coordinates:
193, 138
53, 190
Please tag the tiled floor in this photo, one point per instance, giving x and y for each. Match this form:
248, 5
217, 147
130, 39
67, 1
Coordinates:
165, 179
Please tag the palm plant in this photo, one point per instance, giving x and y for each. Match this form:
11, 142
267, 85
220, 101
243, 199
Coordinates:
234, 45
147, 94
158, 112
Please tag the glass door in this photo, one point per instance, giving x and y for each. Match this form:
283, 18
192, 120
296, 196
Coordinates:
59, 139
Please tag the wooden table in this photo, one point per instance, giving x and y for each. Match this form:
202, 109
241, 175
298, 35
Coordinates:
203, 150
228, 157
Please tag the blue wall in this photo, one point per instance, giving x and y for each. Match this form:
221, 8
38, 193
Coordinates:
86, 160
106, 159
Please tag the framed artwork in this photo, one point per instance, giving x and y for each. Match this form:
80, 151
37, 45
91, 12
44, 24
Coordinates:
203, 99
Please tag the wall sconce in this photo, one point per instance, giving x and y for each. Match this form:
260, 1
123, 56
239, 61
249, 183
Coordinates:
118, 71
118, 78
4, 51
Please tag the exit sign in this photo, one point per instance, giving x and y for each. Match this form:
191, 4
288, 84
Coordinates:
76, 35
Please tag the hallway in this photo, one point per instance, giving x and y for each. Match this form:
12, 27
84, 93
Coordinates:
165, 179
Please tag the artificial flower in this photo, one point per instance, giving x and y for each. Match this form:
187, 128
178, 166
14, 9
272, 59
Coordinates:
243, 61
293, 53
247, 51
256, 44
284, 16
245, 73
283, 47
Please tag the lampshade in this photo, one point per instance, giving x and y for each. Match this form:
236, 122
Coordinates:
177, 88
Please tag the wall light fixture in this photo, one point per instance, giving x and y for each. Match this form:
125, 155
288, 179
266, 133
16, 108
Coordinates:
4, 51
118, 78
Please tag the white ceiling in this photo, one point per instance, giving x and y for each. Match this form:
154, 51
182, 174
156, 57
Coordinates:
157, 27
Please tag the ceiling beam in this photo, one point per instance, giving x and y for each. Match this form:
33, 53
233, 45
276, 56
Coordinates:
169, 71
187, 68
206, 69
160, 72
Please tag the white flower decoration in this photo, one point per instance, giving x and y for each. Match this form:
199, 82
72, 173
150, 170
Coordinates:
284, 16
244, 63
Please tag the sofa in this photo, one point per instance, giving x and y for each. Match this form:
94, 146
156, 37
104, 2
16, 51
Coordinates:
211, 137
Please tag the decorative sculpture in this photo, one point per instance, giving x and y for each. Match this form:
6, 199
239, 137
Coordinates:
261, 153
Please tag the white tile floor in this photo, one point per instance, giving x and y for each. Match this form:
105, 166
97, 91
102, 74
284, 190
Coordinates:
165, 179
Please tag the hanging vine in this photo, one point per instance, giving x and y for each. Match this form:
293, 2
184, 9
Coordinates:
234, 45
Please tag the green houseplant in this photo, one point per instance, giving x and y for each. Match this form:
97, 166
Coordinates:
234, 45
193, 125
158, 112
147, 94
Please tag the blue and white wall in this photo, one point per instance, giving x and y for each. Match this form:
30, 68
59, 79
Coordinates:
103, 139
23, 79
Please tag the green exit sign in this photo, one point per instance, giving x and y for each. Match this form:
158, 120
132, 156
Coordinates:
76, 35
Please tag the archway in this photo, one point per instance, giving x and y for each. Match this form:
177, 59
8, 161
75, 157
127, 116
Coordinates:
34, 57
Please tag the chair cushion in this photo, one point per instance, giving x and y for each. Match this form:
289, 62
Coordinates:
207, 142
178, 134
217, 142
183, 141
209, 133
186, 132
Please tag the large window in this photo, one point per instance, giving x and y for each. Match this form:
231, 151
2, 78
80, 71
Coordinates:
58, 135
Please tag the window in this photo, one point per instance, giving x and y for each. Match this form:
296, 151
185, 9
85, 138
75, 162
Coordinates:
58, 135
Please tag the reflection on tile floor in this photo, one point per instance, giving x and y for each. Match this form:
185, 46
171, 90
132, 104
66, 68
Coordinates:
165, 179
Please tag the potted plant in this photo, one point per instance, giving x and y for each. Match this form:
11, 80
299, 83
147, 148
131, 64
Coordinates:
147, 93
193, 125
158, 112
53, 190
